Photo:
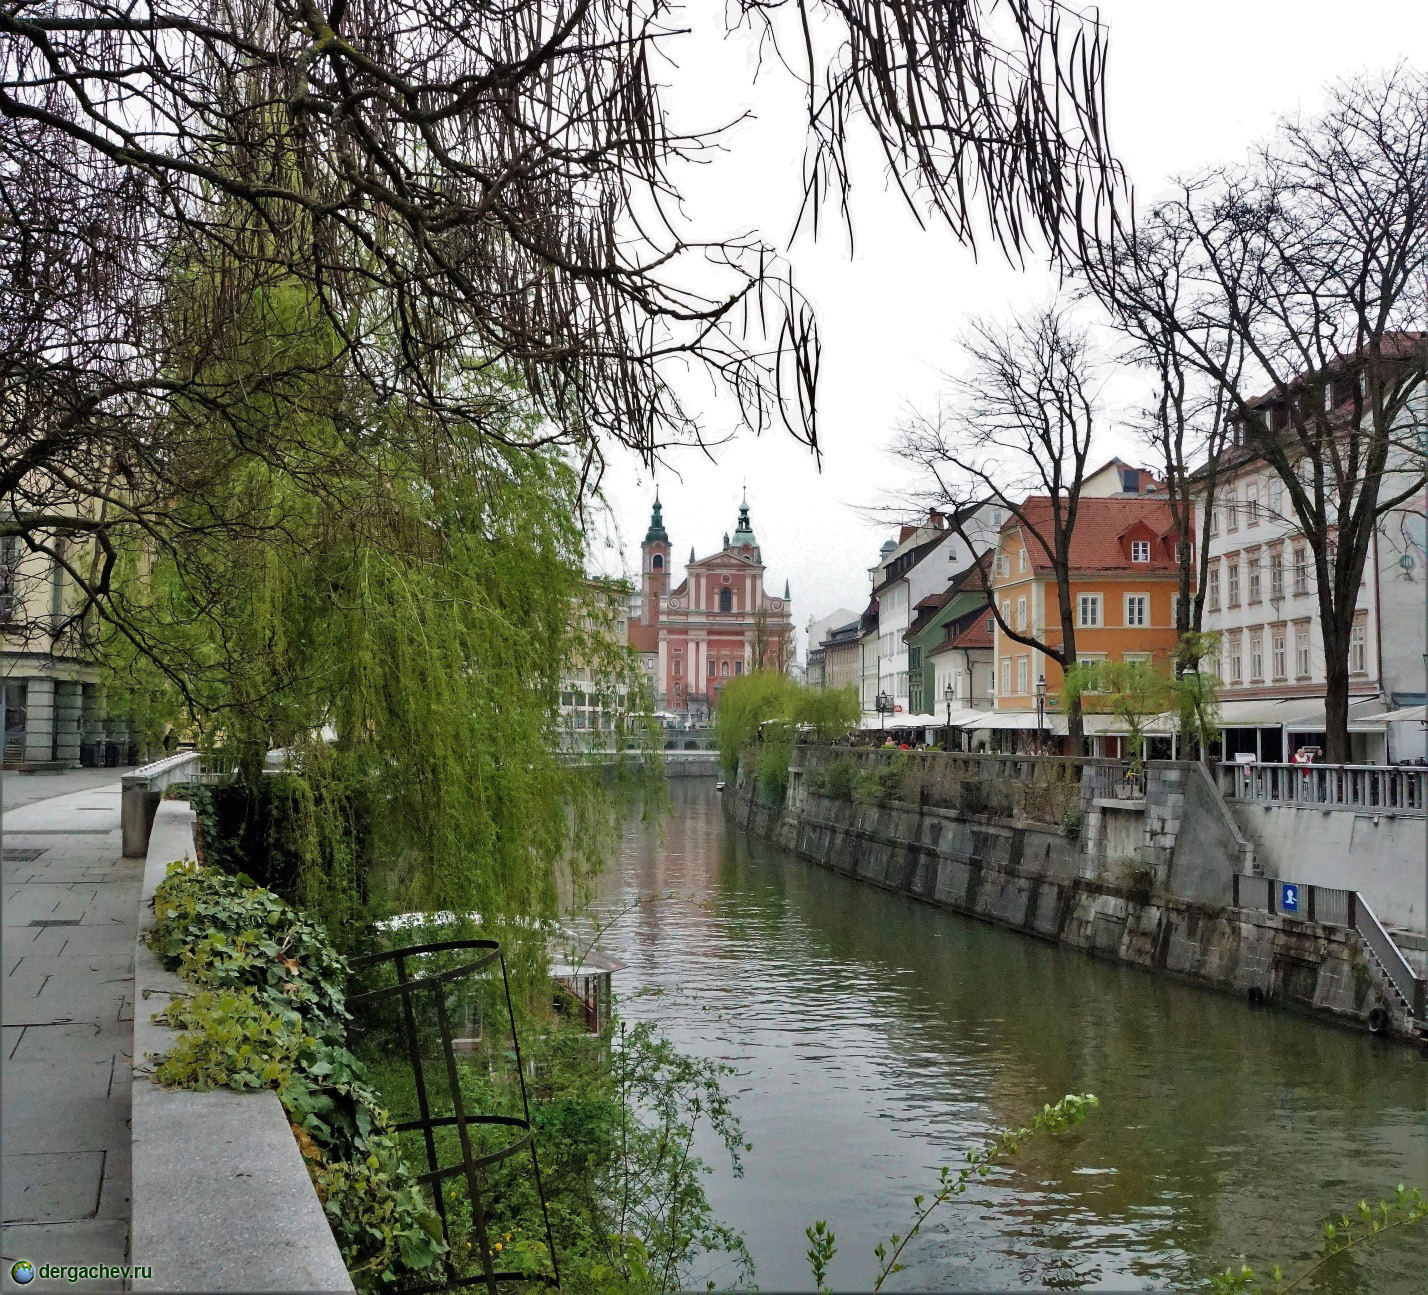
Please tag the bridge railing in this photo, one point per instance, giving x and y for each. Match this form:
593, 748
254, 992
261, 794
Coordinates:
143, 788
1361, 788
1331, 906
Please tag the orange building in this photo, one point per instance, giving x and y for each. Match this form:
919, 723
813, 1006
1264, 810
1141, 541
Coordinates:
1124, 582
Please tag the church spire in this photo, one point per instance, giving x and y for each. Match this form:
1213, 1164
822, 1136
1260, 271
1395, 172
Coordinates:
656, 530
744, 532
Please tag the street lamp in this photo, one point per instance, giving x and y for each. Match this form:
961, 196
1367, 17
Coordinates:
1040, 709
884, 704
947, 694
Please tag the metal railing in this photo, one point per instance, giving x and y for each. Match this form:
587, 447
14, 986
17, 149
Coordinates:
1331, 906
1358, 787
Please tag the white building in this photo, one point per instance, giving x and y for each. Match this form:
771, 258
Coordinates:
1260, 597
923, 561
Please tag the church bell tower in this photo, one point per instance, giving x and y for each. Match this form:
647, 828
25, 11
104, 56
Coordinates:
654, 566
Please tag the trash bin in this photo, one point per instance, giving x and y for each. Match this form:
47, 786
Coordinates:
88, 754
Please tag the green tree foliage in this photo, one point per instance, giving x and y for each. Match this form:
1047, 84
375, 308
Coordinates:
396, 613
1133, 691
1197, 690
752, 699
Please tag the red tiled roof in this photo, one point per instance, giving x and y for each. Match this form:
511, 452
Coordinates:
1102, 535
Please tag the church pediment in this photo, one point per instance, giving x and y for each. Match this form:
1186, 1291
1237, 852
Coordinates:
731, 561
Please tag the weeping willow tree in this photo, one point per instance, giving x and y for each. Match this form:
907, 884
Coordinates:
392, 603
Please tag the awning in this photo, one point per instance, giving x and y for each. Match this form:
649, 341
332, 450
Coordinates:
1015, 721
1101, 725
1272, 712
1409, 715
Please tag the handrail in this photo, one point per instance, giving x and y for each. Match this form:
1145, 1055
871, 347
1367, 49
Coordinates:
1332, 906
1411, 985
1372, 788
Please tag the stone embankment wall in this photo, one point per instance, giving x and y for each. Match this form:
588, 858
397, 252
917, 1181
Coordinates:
1382, 856
1031, 875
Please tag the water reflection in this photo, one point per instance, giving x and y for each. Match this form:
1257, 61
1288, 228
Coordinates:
877, 1039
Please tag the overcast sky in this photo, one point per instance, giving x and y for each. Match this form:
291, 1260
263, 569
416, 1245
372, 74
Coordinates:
1190, 84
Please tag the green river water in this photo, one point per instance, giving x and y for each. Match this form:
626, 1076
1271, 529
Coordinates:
877, 1038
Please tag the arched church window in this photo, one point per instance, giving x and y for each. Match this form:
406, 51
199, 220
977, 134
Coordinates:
657, 562
726, 600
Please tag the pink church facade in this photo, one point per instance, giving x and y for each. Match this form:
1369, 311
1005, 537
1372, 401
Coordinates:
717, 624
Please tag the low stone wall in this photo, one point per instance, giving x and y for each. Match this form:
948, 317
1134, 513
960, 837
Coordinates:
221, 1199
1028, 876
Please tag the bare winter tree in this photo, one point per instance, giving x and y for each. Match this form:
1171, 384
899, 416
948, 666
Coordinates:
1017, 431
1141, 276
449, 209
1303, 296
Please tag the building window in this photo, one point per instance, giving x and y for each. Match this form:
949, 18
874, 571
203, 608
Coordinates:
724, 668
1006, 676
1232, 583
1276, 497
1212, 592
1276, 575
1237, 673
1256, 658
1140, 550
1136, 658
1358, 656
1281, 665
657, 562
1021, 562
1232, 521
1137, 610
1301, 652
1214, 518
1089, 606
726, 600
1021, 613
1023, 671
711, 670
739, 666
1301, 570
1252, 504
1006, 563
1254, 580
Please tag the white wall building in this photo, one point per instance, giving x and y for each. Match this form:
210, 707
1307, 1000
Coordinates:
922, 562
1260, 597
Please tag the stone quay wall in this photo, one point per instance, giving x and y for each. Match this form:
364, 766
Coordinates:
1037, 877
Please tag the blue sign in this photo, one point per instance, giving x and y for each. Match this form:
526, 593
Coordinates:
1288, 897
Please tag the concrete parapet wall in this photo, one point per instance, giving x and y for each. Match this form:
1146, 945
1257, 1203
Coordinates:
1383, 857
221, 1199
1027, 877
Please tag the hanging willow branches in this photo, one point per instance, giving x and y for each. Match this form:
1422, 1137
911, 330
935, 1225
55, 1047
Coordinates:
457, 186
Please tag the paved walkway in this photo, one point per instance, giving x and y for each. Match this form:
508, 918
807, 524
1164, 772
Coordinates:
70, 917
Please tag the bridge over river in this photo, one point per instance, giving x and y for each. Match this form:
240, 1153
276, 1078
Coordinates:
877, 1039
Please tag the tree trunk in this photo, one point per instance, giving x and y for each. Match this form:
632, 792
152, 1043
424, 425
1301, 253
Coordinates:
1336, 697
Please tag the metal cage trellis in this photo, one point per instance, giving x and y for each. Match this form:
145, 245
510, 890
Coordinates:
471, 1165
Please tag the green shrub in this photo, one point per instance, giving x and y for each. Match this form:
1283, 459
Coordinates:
880, 782
836, 781
270, 1012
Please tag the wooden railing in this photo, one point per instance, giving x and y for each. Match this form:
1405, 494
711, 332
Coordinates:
1378, 789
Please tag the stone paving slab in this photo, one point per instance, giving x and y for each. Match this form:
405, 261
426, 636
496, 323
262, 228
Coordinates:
49, 1187
67, 1000
88, 1241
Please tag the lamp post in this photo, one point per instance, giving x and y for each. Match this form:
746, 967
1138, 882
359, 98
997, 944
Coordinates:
1040, 709
947, 694
884, 704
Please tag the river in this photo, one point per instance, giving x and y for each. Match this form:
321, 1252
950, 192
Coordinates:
876, 1039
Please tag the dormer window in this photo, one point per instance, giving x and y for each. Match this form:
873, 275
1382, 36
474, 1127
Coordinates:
1140, 550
